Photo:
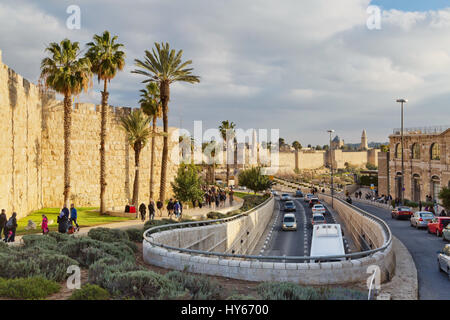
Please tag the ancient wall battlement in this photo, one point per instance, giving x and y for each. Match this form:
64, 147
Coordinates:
32, 144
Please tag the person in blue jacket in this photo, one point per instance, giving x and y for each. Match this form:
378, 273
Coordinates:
74, 216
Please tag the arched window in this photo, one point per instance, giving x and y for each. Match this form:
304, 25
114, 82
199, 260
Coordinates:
398, 151
435, 188
435, 152
415, 151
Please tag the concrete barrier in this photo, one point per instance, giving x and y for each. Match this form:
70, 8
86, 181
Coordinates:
241, 235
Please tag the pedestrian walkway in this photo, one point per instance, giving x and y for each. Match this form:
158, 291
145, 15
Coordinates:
192, 213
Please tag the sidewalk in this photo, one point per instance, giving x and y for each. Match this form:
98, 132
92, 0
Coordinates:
195, 214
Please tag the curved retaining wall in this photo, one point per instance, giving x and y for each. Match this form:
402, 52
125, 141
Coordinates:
228, 236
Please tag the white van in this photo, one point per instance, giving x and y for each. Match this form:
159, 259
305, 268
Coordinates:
289, 222
326, 241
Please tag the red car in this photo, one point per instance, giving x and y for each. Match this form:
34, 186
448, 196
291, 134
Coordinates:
438, 224
401, 213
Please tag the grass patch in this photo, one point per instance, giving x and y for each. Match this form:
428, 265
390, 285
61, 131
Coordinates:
87, 217
28, 288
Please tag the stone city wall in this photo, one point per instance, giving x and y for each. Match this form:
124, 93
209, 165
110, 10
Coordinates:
32, 156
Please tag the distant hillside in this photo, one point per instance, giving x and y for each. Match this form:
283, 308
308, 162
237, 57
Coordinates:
374, 145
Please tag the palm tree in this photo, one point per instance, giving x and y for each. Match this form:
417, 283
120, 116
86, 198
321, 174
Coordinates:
106, 59
297, 145
136, 126
164, 66
151, 106
227, 132
66, 73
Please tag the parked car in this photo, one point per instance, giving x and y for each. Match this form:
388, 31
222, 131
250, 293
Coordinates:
285, 197
318, 208
402, 213
289, 222
289, 206
299, 194
313, 201
444, 260
318, 219
438, 224
420, 219
308, 197
446, 233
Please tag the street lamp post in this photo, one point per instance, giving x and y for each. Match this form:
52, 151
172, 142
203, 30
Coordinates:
331, 170
402, 194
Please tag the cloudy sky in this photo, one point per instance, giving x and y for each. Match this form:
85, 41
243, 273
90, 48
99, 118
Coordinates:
300, 66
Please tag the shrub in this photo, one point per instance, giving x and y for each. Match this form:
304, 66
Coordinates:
292, 291
90, 292
59, 237
153, 223
40, 241
144, 285
215, 215
28, 288
240, 297
101, 271
108, 235
200, 287
135, 234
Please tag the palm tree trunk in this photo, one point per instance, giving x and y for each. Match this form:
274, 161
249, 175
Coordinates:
152, 159
137, 152
165, 94
228, 174
102, 148
67, 147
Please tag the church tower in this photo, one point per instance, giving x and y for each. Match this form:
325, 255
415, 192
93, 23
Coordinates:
364, 145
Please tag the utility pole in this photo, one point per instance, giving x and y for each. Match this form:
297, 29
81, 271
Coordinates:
402, 194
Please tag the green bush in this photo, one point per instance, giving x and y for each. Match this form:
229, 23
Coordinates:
60, 237
28, 288
240, 297
40, 241
292, 291
200, 287
90, 292
154, 223
101, 271
135, 234
108, 235
144, 285
215, 215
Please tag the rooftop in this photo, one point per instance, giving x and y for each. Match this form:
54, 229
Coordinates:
421, 130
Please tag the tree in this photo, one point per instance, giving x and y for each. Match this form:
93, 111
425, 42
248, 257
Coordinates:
444, 195
384, 148
151, 106
106, 59
281, 142
318, 147
136, 126
325, 147
228, 133
187, 185
297, 145
164, 66
69, 75
309, 146
254, 180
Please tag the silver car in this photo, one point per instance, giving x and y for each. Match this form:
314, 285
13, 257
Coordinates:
446, 233
420, 219
444, 260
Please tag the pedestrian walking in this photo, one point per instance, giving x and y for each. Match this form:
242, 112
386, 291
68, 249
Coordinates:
159, 206
151, 210
142, 211
74, 216
420, 205
44, 224
63, 221
231, 194
3, 220
177, 209
10, 228
170, 207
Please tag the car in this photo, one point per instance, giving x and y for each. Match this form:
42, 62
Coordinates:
446, 233
437, 225
401, 213
285, 197
318, 208
318, 219
289, 222
443, 260
308, 197
275, 193
289, 206
420, 219
299, 194
313, 201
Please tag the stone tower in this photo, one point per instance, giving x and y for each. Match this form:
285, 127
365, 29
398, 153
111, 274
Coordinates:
364, 145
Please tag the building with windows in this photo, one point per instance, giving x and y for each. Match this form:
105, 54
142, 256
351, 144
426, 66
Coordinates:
426, 163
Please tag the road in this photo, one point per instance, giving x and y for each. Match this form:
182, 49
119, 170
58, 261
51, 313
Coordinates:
433, 284
293, 243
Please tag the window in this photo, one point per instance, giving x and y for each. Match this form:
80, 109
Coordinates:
415, 151
435, 187
435, 152
398, 151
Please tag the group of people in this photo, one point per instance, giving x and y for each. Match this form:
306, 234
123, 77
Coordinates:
151, 210
66, 220
214, 196
8, 226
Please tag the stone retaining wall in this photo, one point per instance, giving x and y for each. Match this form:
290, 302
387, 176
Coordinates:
251, 270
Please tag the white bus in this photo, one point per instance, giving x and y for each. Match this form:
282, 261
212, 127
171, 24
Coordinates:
326, 241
